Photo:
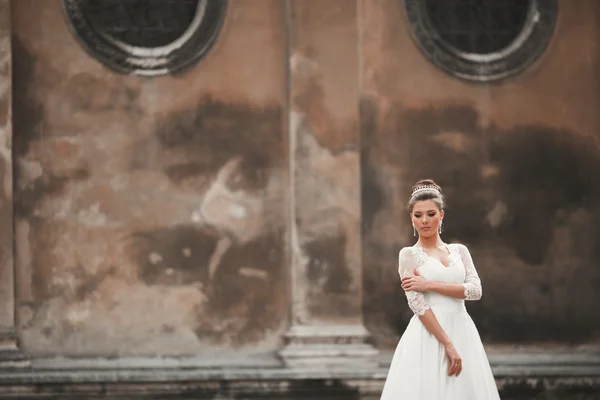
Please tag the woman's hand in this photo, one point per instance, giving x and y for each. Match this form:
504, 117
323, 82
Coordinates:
454, 360
415, 283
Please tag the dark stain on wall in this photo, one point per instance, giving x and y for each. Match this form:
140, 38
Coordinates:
27, 111
245, 299
245, 289
540, 177
214, 132
179, 172
174, 255
372, 195
329, 278
327, 263
45, 185
545, 172
40, 276
104, 97
90, 282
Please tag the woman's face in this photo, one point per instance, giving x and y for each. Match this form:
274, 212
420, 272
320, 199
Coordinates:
426, 217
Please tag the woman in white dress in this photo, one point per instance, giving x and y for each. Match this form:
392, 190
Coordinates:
440, 355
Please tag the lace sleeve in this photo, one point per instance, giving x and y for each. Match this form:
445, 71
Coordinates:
407, 262
472, 283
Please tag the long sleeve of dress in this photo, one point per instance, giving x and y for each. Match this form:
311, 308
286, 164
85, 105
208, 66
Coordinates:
472, 285
407, 263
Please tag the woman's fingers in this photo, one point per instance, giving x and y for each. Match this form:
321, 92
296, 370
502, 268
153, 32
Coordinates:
451, 370
455, 367
458, 367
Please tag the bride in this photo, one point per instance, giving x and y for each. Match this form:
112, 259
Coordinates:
440, 355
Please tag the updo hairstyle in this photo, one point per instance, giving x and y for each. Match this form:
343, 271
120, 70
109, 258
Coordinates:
427, 190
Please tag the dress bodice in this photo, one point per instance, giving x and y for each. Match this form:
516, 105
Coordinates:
460, 270
432, 269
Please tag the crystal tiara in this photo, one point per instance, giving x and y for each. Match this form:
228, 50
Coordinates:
425, 188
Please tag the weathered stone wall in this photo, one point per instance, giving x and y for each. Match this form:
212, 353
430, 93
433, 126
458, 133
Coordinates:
151, 212
518, 161
324, 128
152, 215
6, 179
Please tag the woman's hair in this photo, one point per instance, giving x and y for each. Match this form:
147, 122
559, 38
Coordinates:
426, 189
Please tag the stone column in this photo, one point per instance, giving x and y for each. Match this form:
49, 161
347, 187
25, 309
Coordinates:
10, 355
326, 276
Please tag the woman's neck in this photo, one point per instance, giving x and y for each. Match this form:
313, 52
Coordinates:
430, 242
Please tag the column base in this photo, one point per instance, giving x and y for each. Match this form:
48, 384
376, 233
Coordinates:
329, 345
11, 357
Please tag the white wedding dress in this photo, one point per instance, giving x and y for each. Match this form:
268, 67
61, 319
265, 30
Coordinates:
419, 368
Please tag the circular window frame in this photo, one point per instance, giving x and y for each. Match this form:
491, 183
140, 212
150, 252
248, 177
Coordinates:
187, 50
527, 47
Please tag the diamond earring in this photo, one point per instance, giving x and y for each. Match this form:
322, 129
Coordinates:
440, 228
414, 231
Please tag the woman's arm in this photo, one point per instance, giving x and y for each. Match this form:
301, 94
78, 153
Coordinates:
418, 284
407, 267
472, 285
431, 323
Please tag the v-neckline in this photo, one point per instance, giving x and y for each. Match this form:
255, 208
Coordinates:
435, 259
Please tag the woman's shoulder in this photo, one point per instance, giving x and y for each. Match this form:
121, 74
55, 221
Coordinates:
458, 247
411, 254
408, 257
406, 250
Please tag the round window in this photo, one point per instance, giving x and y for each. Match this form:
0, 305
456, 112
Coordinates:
482, 40
147, 37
